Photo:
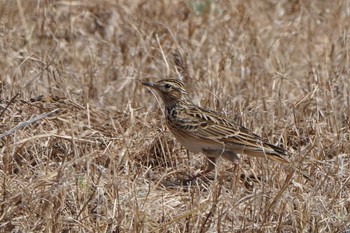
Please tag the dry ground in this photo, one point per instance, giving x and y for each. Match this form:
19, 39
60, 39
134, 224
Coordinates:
106, 163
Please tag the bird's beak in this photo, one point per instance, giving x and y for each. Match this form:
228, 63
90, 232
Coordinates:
149, 84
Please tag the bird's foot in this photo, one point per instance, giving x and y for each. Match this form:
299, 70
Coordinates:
202, 174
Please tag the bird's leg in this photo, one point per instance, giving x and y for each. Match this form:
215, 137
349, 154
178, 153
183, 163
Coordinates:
212, 155
231, 156
226, 154
210, 167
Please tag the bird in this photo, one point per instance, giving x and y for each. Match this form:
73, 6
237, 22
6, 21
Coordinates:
208, 132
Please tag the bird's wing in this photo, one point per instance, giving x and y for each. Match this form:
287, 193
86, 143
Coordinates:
209, 125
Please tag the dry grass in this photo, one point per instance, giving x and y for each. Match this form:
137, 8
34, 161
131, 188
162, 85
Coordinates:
106, 163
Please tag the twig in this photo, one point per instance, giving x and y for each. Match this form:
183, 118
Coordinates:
25, 123
12, 99
164, 57
181, 65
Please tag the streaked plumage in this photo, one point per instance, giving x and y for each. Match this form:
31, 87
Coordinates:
205, 131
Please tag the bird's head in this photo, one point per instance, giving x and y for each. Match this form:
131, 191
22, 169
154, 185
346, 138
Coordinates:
170, 90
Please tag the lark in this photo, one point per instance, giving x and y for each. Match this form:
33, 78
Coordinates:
204, 131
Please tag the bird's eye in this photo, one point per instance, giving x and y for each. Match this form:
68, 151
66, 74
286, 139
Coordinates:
167, 86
